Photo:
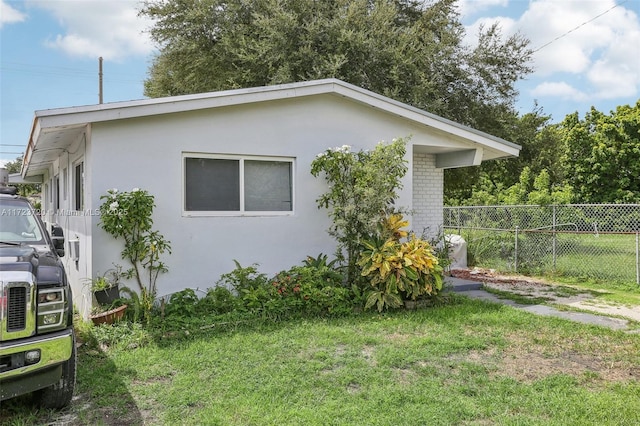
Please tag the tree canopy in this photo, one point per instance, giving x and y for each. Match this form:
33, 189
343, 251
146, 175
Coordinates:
602, 155
408, 50
24, 189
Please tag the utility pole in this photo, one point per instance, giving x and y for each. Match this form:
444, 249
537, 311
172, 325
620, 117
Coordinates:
100, 80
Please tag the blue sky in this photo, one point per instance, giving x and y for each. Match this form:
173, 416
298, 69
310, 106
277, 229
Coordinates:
589, 55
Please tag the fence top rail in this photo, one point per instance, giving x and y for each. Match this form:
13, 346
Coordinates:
540, 205
541, 230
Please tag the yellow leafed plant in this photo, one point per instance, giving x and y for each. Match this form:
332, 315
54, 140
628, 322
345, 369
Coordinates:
398, 270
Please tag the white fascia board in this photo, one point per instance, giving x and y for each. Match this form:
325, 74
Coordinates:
31, 143
132, 109
428, 119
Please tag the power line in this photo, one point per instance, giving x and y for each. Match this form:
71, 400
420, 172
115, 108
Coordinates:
579, 26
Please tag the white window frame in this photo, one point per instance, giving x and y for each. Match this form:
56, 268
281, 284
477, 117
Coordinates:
78, 196
241, 159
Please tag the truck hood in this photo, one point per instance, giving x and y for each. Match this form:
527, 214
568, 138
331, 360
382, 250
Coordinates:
44, 266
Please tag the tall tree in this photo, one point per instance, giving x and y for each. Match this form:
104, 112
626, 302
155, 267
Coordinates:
602, 159
24, 189
409, 50
541, 150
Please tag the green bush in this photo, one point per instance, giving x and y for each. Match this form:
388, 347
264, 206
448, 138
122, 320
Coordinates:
219, 300
300, 291
398, 270
312, 291
243, 278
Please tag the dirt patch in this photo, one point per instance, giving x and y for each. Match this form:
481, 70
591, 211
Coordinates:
545, 292
526, 361
367, 353
591, 360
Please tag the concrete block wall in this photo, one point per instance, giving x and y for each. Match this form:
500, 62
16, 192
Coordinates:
428, 199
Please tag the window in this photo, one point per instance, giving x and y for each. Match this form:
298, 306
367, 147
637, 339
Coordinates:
78, 185
238, 184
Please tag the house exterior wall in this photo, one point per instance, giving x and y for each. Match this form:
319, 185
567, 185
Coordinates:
147, 153
428, 199
76, 223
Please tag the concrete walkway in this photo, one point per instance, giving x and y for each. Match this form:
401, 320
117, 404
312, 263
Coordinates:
474, 290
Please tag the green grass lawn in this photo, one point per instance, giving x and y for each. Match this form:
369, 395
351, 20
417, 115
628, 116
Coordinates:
466, 363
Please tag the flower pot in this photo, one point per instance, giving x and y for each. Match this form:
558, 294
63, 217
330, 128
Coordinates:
107, 296
109, 317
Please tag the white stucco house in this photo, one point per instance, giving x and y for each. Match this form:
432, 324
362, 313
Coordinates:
203, 156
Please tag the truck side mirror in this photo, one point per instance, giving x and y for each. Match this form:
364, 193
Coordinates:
57, 236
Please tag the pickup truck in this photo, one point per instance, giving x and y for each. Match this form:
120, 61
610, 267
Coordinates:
37, 340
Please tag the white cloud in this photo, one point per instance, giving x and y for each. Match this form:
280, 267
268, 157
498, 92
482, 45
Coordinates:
560, 90
594, 41
107, 28
9, 15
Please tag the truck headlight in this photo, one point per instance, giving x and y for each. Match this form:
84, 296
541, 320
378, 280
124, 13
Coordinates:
50, 296
51, 309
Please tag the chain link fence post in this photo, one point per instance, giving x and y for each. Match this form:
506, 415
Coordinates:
515, 260
638, 258
555, 238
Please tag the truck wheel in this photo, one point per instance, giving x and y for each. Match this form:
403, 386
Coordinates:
59, 395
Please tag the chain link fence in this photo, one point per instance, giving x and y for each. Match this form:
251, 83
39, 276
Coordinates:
584, 240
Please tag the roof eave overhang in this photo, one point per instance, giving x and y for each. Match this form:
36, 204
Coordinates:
74, 117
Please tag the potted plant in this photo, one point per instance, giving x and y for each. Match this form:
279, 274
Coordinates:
106, 288
101, 316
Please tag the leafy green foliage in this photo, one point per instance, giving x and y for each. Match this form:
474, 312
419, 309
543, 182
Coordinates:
508, 181
128, 216
322, 261
398, 270
314, 291
299, 290
243, 278
602, 158
24, 189
245, 294
362, 188
529, 189
410, 51
219, 300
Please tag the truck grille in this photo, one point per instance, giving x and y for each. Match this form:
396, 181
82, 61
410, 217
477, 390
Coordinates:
17, 305
16, 308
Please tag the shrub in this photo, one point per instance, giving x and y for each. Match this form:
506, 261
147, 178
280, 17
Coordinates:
127, 216
398, 270
362, 186
301, 290
243, 278
312, 291
219, 300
